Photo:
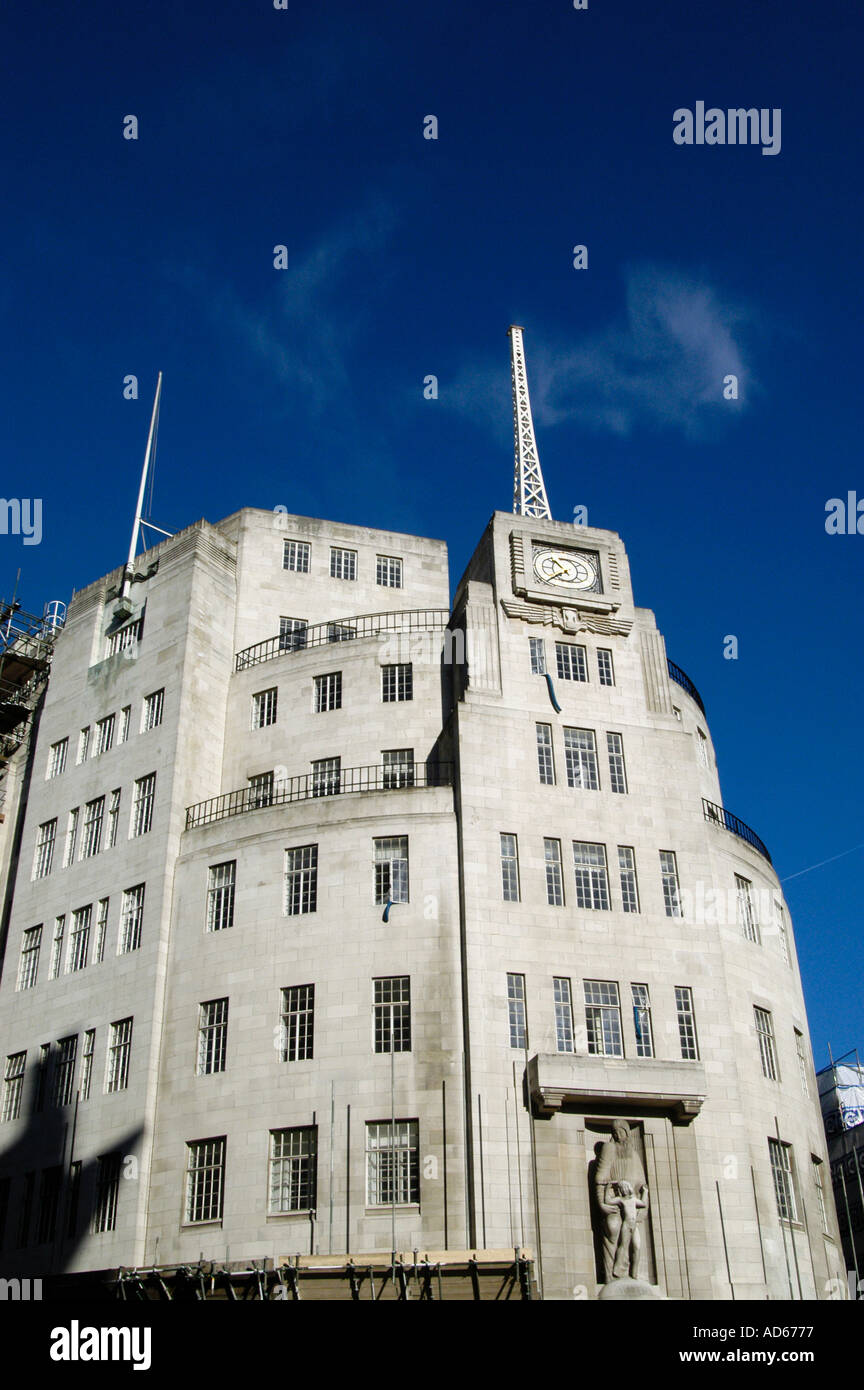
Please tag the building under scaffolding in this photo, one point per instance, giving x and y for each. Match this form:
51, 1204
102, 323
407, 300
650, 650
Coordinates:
841, 1093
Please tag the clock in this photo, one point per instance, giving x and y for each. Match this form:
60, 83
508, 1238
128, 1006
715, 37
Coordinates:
570, 569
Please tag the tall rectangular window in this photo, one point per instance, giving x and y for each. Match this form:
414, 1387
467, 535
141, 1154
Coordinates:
391, 1011
537, 648
298, 1023
545, 757
131, 919
391, 869
83, 744
388, 571
554, 877
113, 818
702, 748
326, 776
295, 556
617, 770
57, 757
43, 858
142, 804
801, 1054
293, 1160
107, 1193
328, 692
580, 754
820, 1193
260, 790
629, 881
780, 917
43, 1071
605, 669
125, 721
264, 708
91, 839
79, 939
516, 1011
510, 868
26, 1208
398, 767
301, 880
73, 1197
292, 634
343, 563
119, 1052
86, 1078
563, 1014
13, 1085
392, 1163
221, 882
71, 837
686, 1023
212, 1036
571, 662
57, 947
64, 1070
28, 965
784, 1187
205, 1180
151, 715
642, 1021
669, 876
397, 682
49, 1202
767, 1049
592, 879
101, 929
603, 1018
746, 913
105, 734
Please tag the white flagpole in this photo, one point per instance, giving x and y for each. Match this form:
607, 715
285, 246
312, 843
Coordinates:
136, 529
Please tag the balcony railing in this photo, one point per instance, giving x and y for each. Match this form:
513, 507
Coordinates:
718, 815
681, 678
343, 630
319, 784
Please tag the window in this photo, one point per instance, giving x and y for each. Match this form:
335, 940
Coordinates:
57, 757
603, 1018
328, 692
42, 1070
816, 1163
205, 1180
87, 1064
292, 634
391, 869
517, 1015
343, 563
746, 913
264, 708
301, 880
212, 1036
64, 1070
220, 895
79, 939
131, 919
295, 556
392, 1014
617, 770
83, 744
260, 790
397, 682
73, 1196
57, 947
398, 767
113, 818
801, 1054
392, 1163
686, 1023
782, 935
101, 929
537, 648
563, 1014
142, 804
151, 715
629, 882
28, 965
49, 1202
298, 1023
554, 878
119, 1049
107, 1192
13, 1085
580, 754
71, 838
125, 721
669, 874
126, 637
44, 854
545, 759
388, 572
340, 632
293, 1162
510, 868
781, 1172
605, 669
592, 881
677, 713
91, 840
326, 776
105, 734
26, 1208
571, 662
642, 1021
702, 748
767, 1050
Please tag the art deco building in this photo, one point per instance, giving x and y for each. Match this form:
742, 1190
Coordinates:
350, 920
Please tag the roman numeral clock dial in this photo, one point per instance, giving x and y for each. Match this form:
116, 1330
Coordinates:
569, 569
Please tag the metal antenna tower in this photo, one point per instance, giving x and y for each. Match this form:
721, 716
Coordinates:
529, 492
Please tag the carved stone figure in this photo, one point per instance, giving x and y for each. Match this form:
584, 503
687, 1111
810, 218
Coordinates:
622, 1197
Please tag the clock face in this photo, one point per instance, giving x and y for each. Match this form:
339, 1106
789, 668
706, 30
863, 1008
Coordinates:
572, 569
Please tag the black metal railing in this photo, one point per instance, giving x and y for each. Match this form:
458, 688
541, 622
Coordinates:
342, 630
333, 782
681, 678
718, 815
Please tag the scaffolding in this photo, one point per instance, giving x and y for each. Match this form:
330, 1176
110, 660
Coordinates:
26, 648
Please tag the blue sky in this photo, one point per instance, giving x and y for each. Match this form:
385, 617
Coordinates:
410, 257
